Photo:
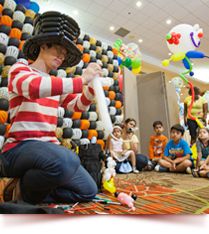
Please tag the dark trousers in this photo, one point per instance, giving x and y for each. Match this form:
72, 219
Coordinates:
192, 126
141, 161
48, 173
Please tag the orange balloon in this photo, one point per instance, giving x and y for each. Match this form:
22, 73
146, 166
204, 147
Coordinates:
102, 143
111, 95
1, 8
16, 33
115, 51
80, 47
85, 124
3, 116
118, 104
106, 88
7, 129
86, 58
76, 115
21, 45
6, 20
92, 133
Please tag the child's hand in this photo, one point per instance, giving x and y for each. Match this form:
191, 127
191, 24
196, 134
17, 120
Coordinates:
174, 165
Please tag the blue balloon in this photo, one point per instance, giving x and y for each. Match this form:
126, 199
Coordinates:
25, 3
186, 64
195, 54
119, 61
34, 7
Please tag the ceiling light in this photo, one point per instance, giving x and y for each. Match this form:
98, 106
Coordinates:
170, 54
75, 12
140, 40
138, 4
112, 28
168, 21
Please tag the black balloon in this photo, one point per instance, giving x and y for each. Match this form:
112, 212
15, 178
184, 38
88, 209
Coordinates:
9, 60
4, 82
13, 42
3, 48
79, 41
92, 107
59, 122
84, 134
100, 134
17, 24
76, 123
20, 7
67, 133
85, 115
4, 104
5, 29
93, 125
2, 129
8, 12
28, 20
68, 114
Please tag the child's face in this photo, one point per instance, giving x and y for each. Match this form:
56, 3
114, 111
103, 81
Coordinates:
130, 124
175, 135
203, 134
158, 129
117, 133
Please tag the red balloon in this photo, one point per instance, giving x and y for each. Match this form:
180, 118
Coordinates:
120, 82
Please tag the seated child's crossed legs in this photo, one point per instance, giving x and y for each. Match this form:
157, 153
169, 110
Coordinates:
176, 167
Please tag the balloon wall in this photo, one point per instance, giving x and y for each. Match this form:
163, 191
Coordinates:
73, 128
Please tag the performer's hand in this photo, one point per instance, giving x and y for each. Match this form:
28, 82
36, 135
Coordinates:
93, 70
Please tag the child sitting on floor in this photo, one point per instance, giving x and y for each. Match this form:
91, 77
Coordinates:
116, 148
177, 153
157, 143
202, 164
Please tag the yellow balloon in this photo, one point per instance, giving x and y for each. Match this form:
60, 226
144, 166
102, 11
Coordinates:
178, 56
136, 70
165, 62
199, 123
109, 186
93, 41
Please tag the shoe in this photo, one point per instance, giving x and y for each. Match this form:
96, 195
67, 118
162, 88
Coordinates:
135, 171
161, 169
12, 190
188, 170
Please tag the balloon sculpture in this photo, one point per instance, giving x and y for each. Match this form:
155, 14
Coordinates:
108, 176
128, 55
126, 199
182, 41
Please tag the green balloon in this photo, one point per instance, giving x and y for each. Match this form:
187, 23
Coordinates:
136, 63
127, 62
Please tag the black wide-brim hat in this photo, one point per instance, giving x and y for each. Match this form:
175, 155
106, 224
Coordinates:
54, 28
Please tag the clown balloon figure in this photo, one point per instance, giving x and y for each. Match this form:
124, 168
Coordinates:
182, 41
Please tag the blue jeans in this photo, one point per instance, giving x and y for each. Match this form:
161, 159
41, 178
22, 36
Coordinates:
48, 173
141, 161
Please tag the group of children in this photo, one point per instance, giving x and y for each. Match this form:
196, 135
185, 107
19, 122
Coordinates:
165, 155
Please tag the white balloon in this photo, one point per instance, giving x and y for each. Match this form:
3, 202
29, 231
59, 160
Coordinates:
104, 45
115, 62
61, 73
100, 125
188, 40
107, 100
4, 39
4, 93
99, 62
112, 110
77, 133
1, 141
107, 81
104, 72
60, 111
11, 4
84, 141
110, 54
19, 15
93, 116
27, 28
93, 53
86, 44
80, 64
118, 119
67, 122
12, 51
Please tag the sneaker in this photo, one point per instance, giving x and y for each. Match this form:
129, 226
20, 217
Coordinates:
188, 170
135, 171
161, 169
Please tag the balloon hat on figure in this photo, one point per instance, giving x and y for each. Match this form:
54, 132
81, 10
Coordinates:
55, 28
182, 41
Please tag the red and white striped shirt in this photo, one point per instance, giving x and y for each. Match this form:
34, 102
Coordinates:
34, 98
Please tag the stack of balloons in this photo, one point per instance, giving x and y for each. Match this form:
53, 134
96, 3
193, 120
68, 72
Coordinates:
16, 25
128, 55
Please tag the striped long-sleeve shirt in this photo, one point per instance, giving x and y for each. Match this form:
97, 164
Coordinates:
34, 97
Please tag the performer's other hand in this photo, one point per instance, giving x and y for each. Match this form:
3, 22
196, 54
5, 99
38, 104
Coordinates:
93, 70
